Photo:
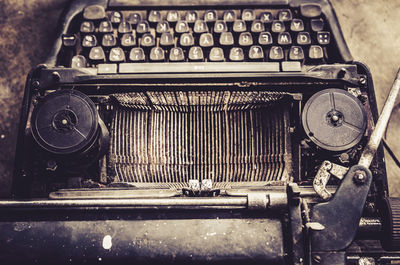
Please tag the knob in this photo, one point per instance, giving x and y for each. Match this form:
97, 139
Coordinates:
390, 211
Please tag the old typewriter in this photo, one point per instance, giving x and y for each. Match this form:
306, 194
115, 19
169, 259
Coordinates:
210, 131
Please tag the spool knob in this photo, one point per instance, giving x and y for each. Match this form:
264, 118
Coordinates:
65, 122
334, 120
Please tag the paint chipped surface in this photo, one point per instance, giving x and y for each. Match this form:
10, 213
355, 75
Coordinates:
107, 242
21, 226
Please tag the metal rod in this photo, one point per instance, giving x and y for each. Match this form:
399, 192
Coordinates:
376, 136
276, 198
163, 202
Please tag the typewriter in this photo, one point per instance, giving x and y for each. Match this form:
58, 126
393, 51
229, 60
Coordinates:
196, 132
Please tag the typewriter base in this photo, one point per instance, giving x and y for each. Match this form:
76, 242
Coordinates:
146, 238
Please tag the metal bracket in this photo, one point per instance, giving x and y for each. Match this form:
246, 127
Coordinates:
323, 175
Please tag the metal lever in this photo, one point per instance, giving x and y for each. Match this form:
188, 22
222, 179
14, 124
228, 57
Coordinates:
376, 136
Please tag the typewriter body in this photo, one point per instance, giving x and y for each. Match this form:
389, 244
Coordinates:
199, 132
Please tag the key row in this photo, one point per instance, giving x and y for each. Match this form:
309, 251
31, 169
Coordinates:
200, 26
187, 40
191, 16
216, 54
96, 12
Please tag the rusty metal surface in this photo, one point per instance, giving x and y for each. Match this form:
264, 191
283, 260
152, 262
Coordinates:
323, 175
321, 179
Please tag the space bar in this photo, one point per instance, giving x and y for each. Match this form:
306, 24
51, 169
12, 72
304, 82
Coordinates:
229, 67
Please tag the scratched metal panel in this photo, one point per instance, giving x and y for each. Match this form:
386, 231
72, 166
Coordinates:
259, 241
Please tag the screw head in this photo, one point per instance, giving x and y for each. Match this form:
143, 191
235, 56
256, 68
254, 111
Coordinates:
36, 84
359, 177
317, 258
56, 76
51, 165
344, 158
363, 81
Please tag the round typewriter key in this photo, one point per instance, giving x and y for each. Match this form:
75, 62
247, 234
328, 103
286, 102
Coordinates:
176, 55
297, 25
200, 27
220, 26
116, 17
196, 53
239, 26
155, 16
78, 61
128, 40
94, 12
266, 17
191, 16
162, 27
87, 27
137, 55
105, 27
97, 55
236, 54
226, 39
65, 122
248, 15
181, 27
134, 18
173, 16
166, 39
186, 40
216, 55
157, 54
124, 27
229, 16
210, 16
334, 119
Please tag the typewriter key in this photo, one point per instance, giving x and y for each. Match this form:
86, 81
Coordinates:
334, 119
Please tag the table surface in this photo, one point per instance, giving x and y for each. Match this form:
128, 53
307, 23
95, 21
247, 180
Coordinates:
27, 28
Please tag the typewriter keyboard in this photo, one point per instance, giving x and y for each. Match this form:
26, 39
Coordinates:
130, 41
